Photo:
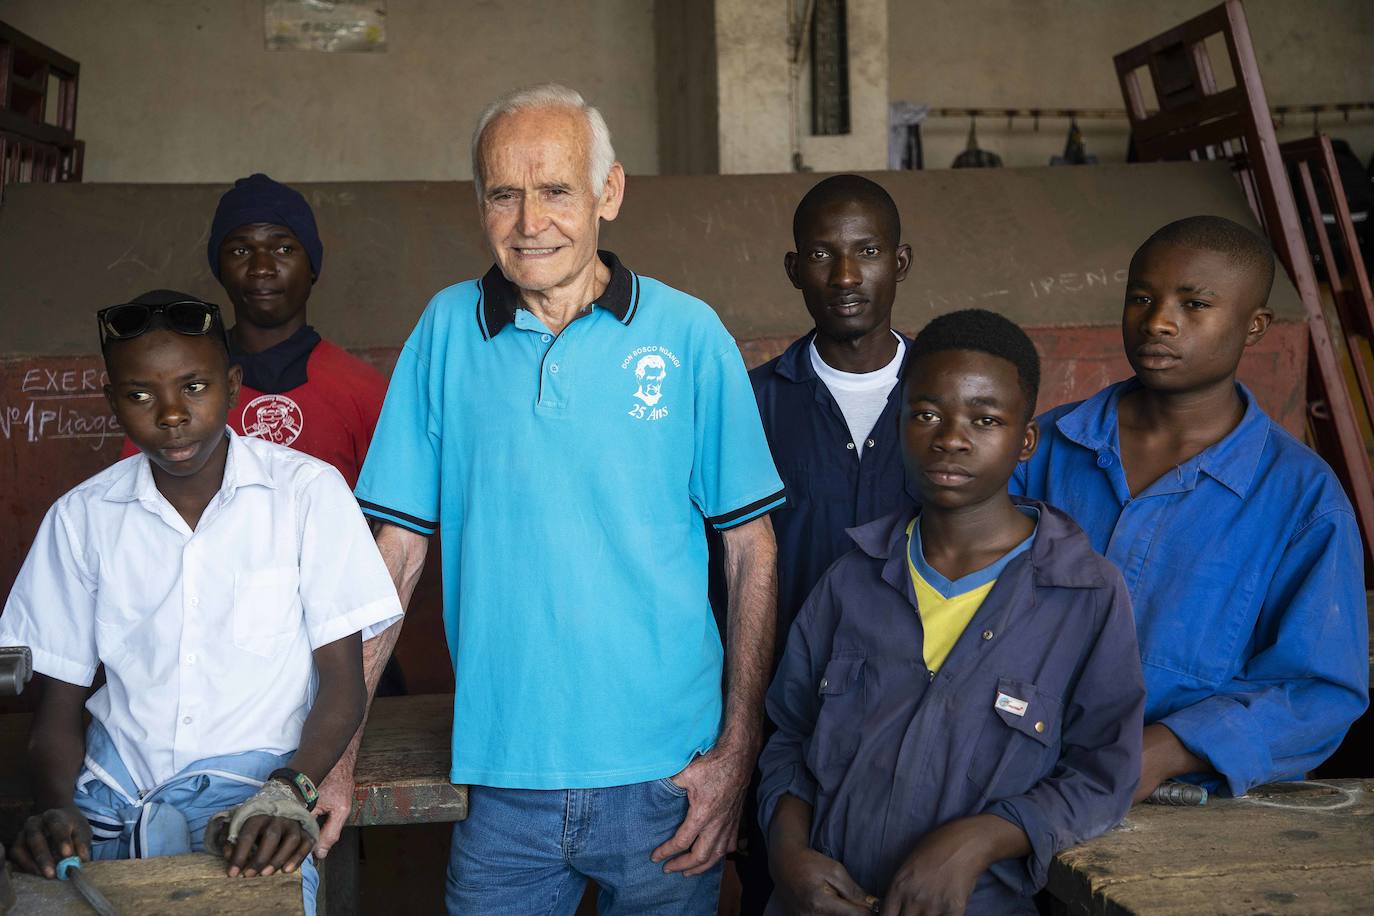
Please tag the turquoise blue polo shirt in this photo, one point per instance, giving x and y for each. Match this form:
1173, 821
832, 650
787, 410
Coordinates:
570, 475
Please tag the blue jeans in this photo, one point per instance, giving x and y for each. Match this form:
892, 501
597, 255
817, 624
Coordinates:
532, 851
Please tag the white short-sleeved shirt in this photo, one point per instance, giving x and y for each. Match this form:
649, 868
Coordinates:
206, 635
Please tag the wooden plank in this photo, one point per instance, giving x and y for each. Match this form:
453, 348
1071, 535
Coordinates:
403, 764
1286, 848
189, 885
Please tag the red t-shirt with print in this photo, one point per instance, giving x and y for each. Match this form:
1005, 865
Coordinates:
331, 416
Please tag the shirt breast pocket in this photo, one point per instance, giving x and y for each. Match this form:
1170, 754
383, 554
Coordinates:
115, 622
836, 737
265, 603
1019, 740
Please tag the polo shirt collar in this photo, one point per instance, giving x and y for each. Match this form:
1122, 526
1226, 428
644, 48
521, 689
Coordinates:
241, 468
499, 299
1060, 555
1232, 462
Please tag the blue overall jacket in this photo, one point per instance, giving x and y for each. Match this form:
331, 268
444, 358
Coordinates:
885, 752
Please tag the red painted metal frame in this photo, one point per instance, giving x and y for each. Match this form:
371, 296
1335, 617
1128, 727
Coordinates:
1350, 290
1197, 121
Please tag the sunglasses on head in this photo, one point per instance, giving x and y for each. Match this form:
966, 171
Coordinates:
132, 319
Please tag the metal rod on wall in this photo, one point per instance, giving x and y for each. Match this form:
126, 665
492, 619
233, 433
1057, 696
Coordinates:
1114, 113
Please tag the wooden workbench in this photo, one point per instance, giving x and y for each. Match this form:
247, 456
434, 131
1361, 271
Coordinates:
190, 885
402, 771
401, 778
1300, 848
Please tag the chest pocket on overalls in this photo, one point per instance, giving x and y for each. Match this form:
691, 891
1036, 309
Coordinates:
1014, 751
839, 722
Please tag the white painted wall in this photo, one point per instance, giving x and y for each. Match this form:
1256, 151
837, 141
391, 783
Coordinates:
757, 106
184, 91
1058, 53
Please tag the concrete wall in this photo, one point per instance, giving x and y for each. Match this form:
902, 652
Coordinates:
184, 91
865, 146
758, 103
688, 129
1058, 53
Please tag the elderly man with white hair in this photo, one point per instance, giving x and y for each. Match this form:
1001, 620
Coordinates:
568, 425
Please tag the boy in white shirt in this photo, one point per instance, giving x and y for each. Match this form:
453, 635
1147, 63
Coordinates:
226, 584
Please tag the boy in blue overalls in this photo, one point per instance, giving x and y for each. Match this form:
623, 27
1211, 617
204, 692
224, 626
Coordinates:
1236, 541
960, 697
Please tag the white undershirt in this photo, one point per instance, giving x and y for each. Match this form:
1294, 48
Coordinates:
861, 395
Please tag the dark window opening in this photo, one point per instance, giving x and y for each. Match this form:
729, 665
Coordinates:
830, 69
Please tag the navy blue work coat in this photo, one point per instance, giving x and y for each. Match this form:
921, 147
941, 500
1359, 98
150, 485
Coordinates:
829, 489
885, 753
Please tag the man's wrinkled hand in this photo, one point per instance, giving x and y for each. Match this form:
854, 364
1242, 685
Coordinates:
335, 803
810, 884
715, 784
939, 875
266, 845
51, 836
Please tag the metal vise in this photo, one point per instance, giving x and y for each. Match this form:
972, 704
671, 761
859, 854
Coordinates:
16, 667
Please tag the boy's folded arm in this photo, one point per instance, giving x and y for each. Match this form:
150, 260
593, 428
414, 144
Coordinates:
57, 742
338, 708
939, 875
57, 746
403, 555
1291, 704
1090, 790
806, 880
274, 839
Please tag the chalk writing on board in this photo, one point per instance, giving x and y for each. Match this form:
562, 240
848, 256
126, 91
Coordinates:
56, 382
60, 404
1072, 281
987, 298
1075, 282
37, 422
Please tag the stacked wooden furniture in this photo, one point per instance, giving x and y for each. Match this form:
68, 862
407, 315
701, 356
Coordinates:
37, 112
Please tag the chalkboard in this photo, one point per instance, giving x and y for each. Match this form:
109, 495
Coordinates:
1048, 247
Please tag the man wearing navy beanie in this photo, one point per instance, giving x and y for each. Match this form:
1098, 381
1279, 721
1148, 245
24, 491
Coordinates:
259, 199
298, 390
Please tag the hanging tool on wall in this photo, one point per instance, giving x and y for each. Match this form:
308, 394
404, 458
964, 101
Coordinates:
974, 158
1075, 152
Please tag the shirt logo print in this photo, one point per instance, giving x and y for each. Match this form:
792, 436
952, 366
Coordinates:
651, 366
273, 417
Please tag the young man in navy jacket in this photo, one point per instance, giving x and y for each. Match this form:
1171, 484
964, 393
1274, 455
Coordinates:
829, 407
960, 697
